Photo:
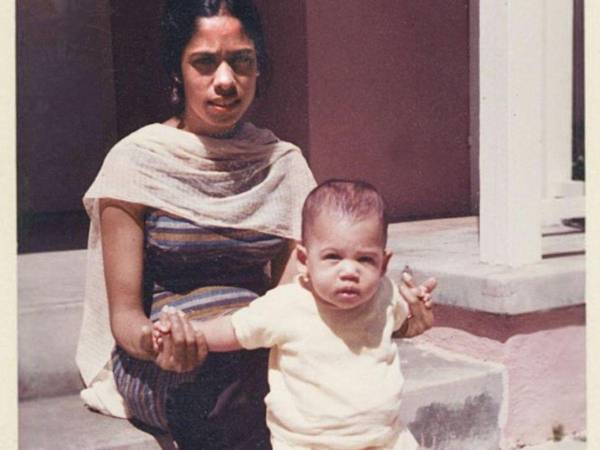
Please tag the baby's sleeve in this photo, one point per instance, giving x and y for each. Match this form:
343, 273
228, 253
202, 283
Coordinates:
259, 324
400, 306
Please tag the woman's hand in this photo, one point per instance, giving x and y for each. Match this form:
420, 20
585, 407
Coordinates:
420, 304
180, 347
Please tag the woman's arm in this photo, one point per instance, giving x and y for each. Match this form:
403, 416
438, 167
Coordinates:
283, 266
123, 253
122, 250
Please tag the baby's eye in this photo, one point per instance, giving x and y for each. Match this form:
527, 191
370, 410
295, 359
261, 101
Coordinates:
331, 256
366, 260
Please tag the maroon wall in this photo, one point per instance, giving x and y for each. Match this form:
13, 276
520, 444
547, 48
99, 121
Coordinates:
389, 100
282, 105
65, 101
141, 84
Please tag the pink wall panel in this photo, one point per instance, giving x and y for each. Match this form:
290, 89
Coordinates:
389, 100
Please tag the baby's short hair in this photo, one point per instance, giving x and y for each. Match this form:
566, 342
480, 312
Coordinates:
350, 199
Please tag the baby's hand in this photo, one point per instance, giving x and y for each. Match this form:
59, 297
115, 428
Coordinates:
419, 300
160, 328
157, 336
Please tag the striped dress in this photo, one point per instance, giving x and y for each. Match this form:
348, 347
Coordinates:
203, 271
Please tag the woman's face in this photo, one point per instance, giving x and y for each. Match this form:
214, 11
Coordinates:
219, 72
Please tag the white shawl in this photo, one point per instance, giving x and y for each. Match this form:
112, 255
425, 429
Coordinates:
252, 181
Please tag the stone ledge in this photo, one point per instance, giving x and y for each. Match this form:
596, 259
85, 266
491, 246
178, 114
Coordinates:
566, 444
451, 401
448, 250
63, 423
50, 287
50, 279
47, 342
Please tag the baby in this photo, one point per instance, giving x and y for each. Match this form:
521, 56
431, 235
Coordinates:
334, 370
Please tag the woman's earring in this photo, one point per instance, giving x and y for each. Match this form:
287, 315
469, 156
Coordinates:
175, 89
174, 95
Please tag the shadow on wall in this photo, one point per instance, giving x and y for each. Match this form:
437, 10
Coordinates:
83, 82
52, 232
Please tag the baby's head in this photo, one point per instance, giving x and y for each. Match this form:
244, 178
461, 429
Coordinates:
344, 233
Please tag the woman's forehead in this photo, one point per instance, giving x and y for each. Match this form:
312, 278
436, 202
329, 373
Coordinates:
218, 32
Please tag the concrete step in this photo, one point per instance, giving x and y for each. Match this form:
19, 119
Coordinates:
450, 403
448, 249
565, 444
63, 423
50, 308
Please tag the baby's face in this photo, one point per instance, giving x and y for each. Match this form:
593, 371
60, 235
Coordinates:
345, 260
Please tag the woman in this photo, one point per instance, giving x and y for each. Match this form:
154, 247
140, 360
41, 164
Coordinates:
199, 213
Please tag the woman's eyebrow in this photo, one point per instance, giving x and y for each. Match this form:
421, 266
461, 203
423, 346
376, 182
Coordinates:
244, 50
241, 51
202, 53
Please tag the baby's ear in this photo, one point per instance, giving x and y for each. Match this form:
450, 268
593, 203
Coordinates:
386, 259
301, 256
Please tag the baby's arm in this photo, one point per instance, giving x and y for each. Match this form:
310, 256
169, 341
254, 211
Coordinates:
218, 333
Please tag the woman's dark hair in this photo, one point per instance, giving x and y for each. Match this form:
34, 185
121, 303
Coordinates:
179, 23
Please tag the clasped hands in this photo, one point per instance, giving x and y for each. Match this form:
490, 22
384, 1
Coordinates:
173, 342
178, 347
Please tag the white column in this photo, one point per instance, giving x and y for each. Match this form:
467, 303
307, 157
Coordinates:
511, 93
558, 96
562, 197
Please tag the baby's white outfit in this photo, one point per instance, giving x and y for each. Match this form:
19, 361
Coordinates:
334, 375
